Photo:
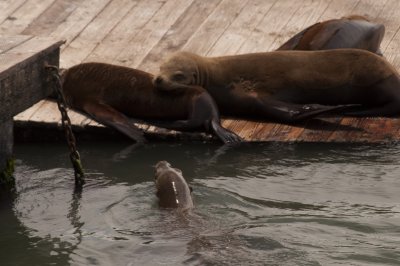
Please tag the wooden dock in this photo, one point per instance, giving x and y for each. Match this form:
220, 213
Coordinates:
139, 33
23, 83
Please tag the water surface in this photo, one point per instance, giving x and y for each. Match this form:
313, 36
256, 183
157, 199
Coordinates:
270, 204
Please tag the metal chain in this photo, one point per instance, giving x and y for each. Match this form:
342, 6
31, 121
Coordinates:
66, 123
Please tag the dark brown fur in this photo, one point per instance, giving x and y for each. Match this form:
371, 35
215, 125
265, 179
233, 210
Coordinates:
347, 32
267, 84
113, 94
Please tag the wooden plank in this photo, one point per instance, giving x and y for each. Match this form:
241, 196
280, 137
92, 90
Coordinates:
120, 36
77, 21
338, 9
264, 35
210, 31
7, 7
48, 112
262, 131
77, 117
28, 113
317, 130
305, 13
82, 45
151, 33
23, 16
390, 18
314, 15
9, 42
369, 8
179, 33
342, 135
241, 28
390, 45
52, 17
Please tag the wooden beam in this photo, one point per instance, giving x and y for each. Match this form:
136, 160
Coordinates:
23, 78
23, 82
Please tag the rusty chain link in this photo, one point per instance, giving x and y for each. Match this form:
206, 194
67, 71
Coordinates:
66, 123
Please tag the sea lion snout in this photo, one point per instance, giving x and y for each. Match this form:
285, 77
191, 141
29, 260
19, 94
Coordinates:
157, 81
161, 83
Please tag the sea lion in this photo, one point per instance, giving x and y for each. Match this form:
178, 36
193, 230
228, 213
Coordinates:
172, 189
114, 95
347, 32
262, 84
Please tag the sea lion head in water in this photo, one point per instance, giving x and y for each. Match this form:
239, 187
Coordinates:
172, 189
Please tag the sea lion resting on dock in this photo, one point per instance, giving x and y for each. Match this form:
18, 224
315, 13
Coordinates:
114, 95
347, 32
172, 189
264, 84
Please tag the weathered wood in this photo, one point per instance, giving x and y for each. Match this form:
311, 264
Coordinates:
211, 30
241, 28
179, 33
12, 41
142, 32
51, 18
23, 16
264, 35
23, 76
6, 140
7, 7
152, 32
22, 84
7, 181
119, 37
95, 32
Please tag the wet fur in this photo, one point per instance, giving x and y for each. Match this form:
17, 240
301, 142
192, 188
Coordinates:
172, 188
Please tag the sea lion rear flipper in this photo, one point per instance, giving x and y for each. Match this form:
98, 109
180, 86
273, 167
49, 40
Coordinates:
225, 135
108, 116
291, 113
312, 110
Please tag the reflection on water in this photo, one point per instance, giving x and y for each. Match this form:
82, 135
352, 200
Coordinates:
309, 204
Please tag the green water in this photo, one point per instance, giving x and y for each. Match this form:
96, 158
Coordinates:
309, 204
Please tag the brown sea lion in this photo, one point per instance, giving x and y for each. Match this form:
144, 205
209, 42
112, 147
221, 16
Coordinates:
114, 95
172, 189
265, 84
347, 32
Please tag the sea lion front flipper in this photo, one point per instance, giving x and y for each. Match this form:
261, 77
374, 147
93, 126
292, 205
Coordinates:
108, 116
225, 135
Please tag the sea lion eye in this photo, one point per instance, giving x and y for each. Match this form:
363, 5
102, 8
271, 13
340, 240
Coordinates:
178, 77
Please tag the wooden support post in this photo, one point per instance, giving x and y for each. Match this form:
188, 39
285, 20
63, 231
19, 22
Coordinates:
6, 160
23, 82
